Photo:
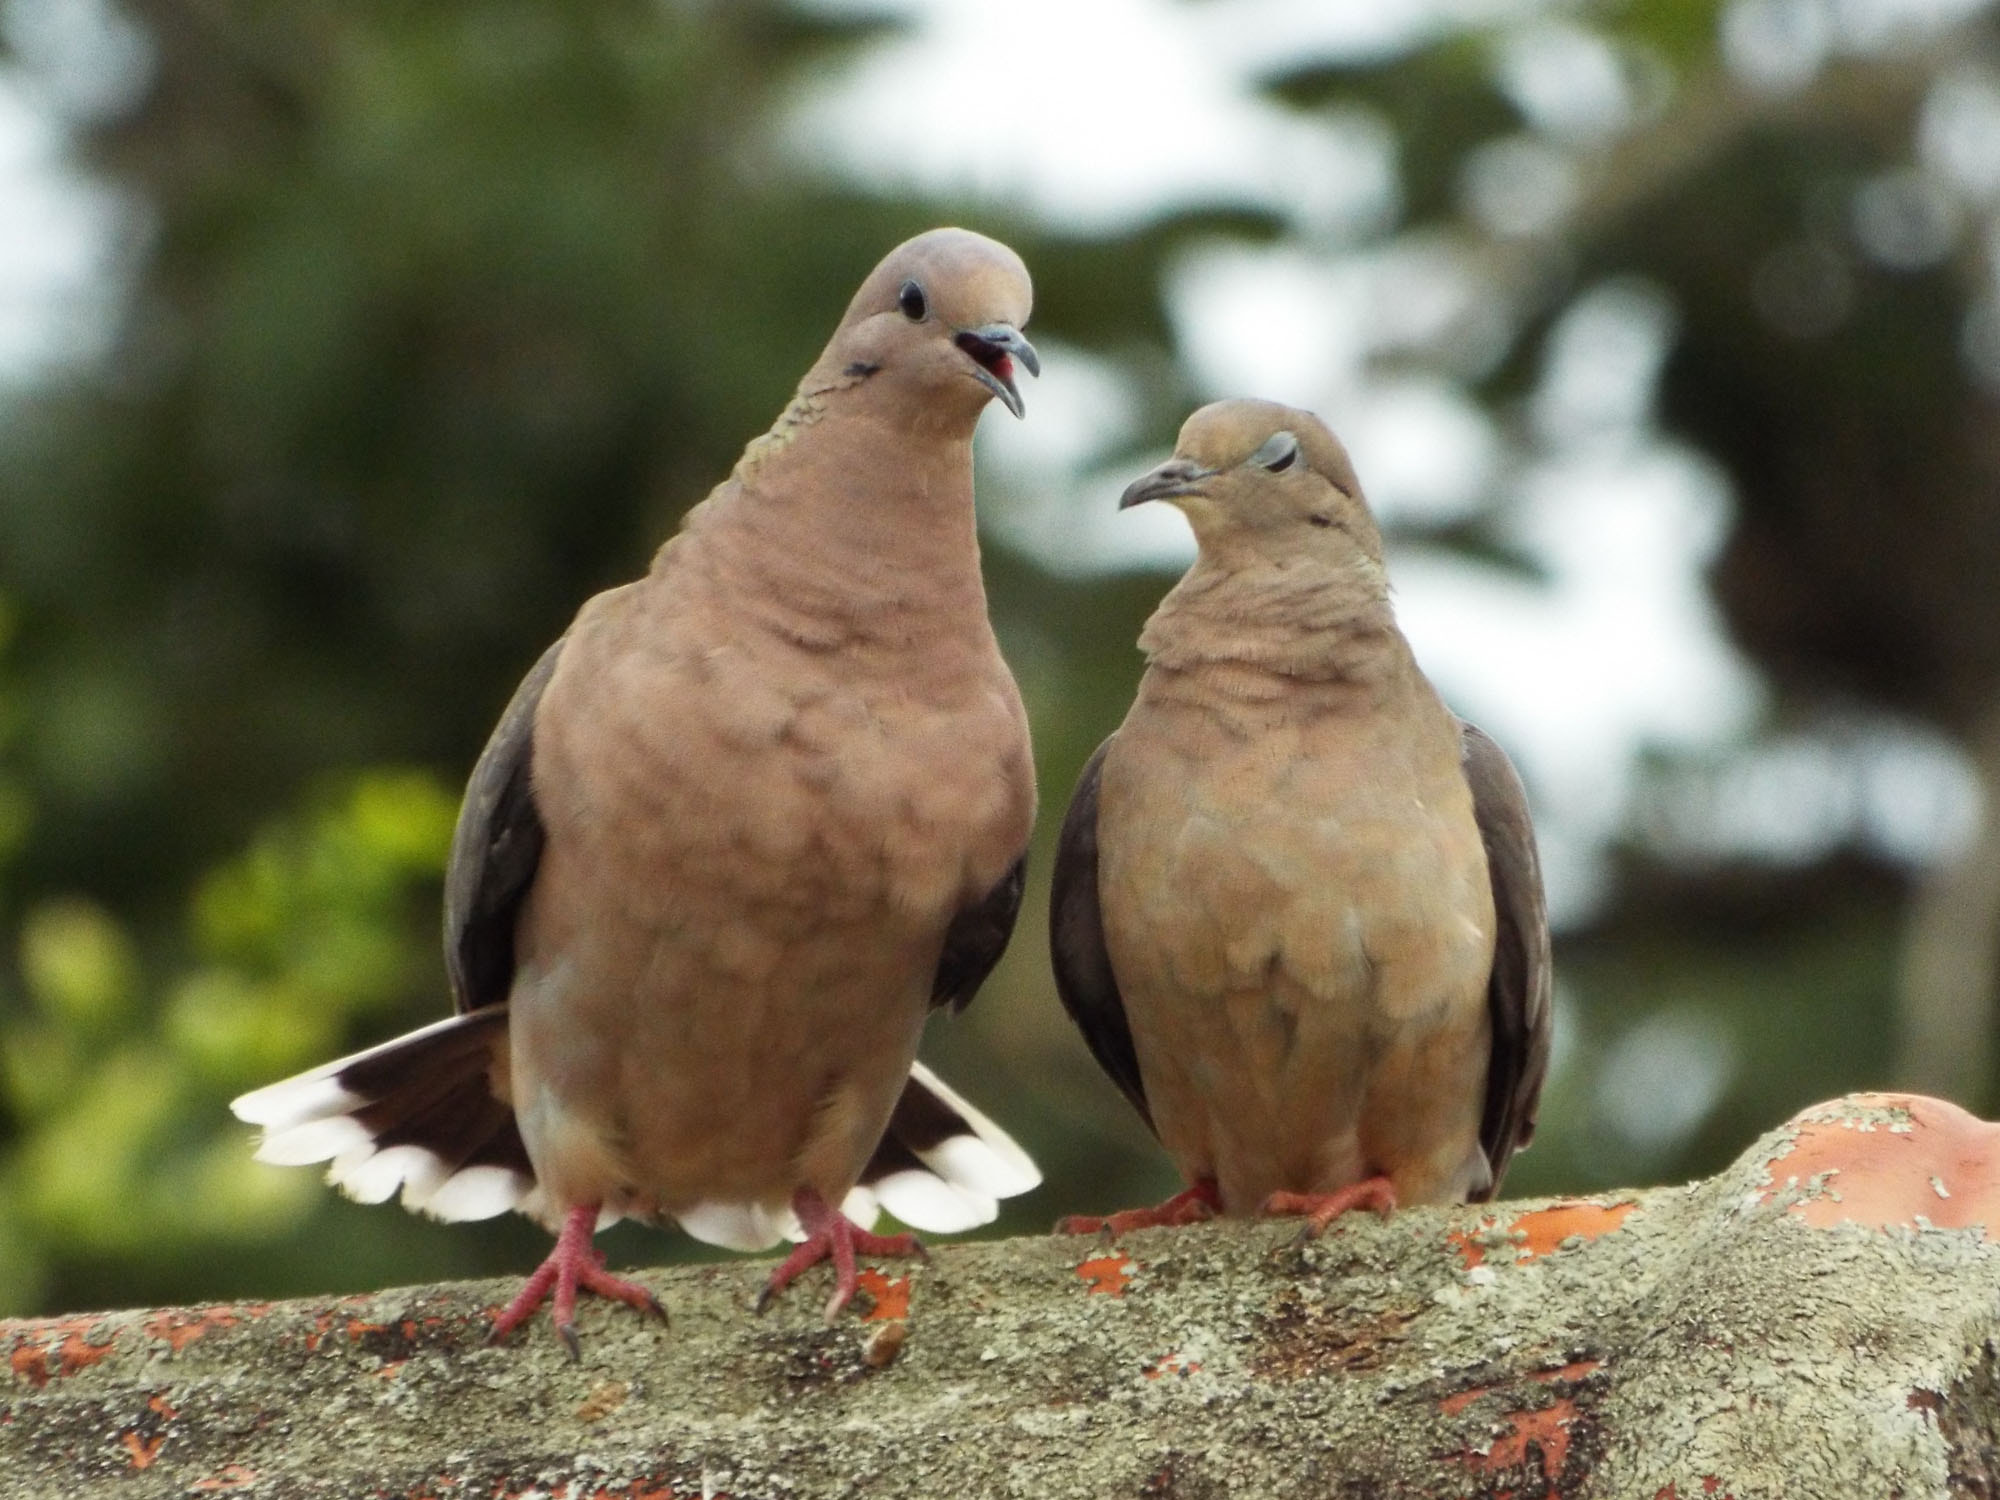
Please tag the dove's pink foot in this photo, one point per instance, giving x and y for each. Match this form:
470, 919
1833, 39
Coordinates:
1321, 1209
831, 1235
574, 1263
1190, 1206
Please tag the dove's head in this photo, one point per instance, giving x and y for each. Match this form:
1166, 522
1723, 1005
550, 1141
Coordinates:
1257, 477
939, 323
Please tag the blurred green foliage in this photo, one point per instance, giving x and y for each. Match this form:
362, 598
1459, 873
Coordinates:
113, 1082
440, 315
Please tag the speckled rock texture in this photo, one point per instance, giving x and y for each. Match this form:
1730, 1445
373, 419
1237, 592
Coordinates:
1820, 1320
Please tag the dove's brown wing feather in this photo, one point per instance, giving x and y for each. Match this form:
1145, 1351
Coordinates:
1518, 994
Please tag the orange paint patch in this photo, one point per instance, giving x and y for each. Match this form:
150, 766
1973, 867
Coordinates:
1546, 1432
62, 1340
143, 1438
1542, 1230
1457, 1401
891, 1295
75, 1353
1547, 1228
143, 1450
1109, 1274
232, 1477
1909, 1159
30, 1362
181, 1327
1467, 1242
323, 1324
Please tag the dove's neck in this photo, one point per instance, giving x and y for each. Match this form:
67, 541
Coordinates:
1259, 630
839, 531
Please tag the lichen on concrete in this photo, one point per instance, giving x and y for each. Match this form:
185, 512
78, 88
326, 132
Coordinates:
1737, 1337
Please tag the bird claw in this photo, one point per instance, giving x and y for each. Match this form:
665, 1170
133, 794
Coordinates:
574, 1265
1321, 1209
1193, 1205
830, 1235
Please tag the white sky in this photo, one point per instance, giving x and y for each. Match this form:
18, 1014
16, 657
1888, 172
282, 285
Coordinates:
56, 238
1102, 113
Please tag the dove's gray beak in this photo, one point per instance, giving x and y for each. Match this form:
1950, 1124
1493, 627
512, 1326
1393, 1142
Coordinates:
1177, 476
994, 349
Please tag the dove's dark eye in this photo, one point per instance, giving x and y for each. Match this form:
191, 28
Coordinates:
1279, 453
911, 300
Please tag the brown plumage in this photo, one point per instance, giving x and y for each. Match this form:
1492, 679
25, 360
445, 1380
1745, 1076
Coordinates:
1297, 912
740, 830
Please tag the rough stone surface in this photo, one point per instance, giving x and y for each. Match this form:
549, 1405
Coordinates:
1820, 1320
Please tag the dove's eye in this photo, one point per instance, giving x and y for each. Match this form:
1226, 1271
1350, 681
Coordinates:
1279, 453
911, 300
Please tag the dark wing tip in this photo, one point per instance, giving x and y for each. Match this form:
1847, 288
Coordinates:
1519, 991
977, 937
495, 850
1085, 980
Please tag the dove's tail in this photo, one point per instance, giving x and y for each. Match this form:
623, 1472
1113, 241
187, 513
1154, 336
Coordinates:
941, 1166
418, 1114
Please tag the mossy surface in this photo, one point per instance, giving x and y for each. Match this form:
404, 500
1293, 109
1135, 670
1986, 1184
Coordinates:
1707, 1340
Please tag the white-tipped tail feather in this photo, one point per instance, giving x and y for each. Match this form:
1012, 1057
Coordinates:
982, 1158
479, 1193
942, 1168
929, 1202
740, 1226
313, 1140
318, 1093
413, 1116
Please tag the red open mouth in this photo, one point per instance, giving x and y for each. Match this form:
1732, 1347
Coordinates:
993, 349
989, 354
